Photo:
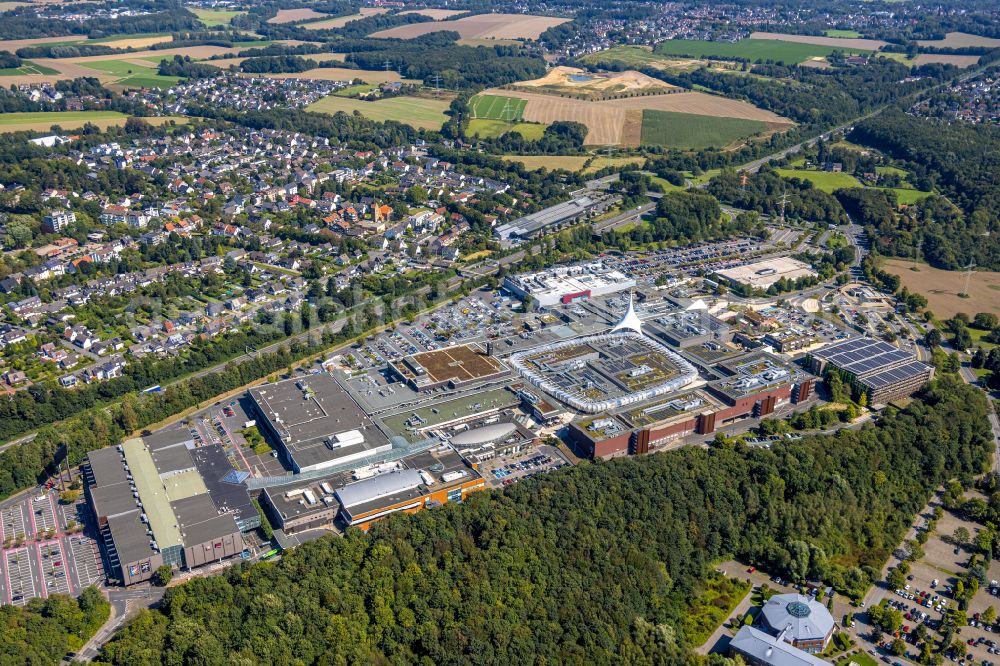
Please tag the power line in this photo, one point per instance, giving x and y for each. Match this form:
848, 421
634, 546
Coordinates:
968, 276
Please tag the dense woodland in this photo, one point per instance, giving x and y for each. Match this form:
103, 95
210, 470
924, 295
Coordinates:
594, 564
962, 161
816, 98
437, 54
164, 16
44, 630
763, 193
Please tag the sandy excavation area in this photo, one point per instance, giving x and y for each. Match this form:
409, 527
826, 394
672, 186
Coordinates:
572, 80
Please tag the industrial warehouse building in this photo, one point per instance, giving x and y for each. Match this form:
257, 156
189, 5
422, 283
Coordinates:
159, 500
561, 213
763, 274
315, 423
367, 494
880, 370
565, 284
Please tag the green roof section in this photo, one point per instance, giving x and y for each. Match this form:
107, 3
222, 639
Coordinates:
155, 502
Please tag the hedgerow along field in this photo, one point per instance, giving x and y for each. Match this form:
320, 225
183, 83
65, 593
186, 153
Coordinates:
751, 49
690, 131
497, 107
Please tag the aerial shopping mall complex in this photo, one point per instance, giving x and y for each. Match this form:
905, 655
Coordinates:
417, 418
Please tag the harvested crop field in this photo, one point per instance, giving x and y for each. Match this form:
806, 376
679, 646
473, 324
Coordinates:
341, 21
838, 42
436, 14
342, 74
958, 40
292, 15
586, 85
137, 42
15, 44
606, 120
942, 288
419, 112
960, 61
481, 26
195, 52
535, 162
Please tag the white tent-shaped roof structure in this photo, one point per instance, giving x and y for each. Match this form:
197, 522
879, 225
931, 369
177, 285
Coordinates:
630, 321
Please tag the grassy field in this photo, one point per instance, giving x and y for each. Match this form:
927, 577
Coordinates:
69, 120
712, 606
752, 49
942, 288
687, 130
55, 117
27, 68
602, 162
214, 17
822, 180
535, 162
360, 89
906, 195
414, 111
497, 107
131, 74
844, 34
487, 129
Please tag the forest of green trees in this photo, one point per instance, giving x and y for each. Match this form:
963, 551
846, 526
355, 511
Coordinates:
45, 630
594, 564
963, 161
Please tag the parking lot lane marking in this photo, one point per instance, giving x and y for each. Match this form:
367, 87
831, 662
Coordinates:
6, 574
31, 515
55, 515
41, 572
65, 566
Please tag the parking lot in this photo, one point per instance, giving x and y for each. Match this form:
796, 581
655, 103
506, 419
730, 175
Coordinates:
52, 559
45, 551
503, 472
86, 559
14, 526
21, 580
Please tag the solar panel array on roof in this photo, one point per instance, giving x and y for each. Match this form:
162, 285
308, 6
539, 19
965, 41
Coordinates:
893, 375
863, 356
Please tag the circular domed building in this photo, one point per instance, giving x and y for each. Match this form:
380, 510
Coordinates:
799, 620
